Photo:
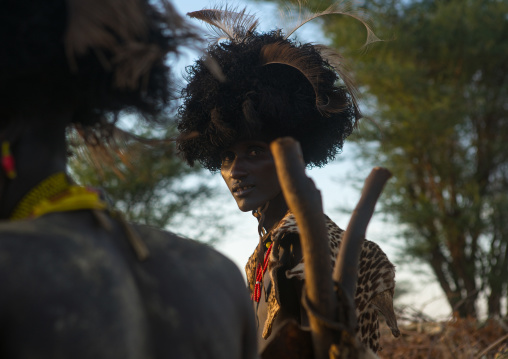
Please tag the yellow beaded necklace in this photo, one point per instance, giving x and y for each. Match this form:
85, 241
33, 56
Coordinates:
56, 194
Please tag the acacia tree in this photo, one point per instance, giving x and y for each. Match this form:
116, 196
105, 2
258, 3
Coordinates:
439, 122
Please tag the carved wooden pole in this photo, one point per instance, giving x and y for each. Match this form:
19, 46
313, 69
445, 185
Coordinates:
304, 200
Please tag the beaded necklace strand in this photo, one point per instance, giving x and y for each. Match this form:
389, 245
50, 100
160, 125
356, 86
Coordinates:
260, 273
56, 194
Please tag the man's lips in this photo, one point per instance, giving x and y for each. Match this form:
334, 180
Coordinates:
241, 190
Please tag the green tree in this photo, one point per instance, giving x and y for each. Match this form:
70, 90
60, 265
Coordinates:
146, 181
438, 86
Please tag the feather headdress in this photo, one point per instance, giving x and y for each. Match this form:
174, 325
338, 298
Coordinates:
120, 28
127, 42
238, 26
93, 59
269, 86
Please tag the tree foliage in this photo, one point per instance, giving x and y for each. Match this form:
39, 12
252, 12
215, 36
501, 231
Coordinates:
438, 86
146, 181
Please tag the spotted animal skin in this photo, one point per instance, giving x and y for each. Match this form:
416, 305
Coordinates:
376, 278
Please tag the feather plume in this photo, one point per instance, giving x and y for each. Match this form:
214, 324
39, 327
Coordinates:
214, 68
229, 24
251, 117
284, 54
341, 8
95, 23
336, 61
118, 26
217, 125
134, 63
106, 149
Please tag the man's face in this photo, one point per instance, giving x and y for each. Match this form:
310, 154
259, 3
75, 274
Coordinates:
249, 172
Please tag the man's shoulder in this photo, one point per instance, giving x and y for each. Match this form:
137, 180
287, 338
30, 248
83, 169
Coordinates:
69, 263
187, 259
68, 241
80, 233
178, 246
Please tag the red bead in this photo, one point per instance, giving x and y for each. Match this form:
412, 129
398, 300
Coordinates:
260, 272
8, 165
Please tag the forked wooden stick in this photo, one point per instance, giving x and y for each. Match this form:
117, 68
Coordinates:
304, 200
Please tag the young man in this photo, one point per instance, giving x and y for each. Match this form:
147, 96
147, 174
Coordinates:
77, 281
269, 86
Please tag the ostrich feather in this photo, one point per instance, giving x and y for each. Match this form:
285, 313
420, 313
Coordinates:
99, 24
105, 150
336, 61
119, 27
214, 68
96, 22
228, 23
341, 8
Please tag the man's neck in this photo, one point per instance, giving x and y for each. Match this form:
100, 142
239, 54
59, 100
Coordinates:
277, 209
39, 151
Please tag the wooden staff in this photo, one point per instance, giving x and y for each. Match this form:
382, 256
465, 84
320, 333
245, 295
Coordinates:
304, 200
346, 267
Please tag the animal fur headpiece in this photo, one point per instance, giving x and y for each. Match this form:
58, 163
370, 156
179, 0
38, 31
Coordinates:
265, 86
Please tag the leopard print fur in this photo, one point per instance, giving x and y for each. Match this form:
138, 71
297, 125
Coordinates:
376, 276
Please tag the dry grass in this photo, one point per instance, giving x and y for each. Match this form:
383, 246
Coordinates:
454, 339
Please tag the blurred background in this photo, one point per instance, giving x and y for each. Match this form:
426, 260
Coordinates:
435, 99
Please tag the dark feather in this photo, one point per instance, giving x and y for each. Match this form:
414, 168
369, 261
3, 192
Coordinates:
118, 26
217, 125
252, 121
285, 54
337, 62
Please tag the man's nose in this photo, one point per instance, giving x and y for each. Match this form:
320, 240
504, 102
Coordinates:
238, 168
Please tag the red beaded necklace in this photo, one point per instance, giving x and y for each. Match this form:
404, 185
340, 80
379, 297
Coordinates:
260, 272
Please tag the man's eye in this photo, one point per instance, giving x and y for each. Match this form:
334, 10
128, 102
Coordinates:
253, 152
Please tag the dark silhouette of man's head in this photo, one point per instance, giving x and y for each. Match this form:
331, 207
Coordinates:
95, 58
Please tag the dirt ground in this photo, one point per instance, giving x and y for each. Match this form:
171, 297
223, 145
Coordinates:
454, 339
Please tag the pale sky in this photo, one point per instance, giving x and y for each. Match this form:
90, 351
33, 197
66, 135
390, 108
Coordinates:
334, 182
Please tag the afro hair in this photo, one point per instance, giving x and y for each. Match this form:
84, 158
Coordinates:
263, 100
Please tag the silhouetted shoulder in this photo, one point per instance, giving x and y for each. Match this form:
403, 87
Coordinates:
95, 298
163, 245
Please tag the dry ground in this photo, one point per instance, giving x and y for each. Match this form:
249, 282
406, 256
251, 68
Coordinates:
454, 339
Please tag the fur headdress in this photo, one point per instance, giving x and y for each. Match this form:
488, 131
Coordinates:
263, 86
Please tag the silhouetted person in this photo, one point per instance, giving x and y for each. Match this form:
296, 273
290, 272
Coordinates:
76, 280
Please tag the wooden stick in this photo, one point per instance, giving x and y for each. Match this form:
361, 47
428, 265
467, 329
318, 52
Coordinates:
346, 266
304, 201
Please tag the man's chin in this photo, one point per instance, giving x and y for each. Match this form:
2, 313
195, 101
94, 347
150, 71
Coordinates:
245, 207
